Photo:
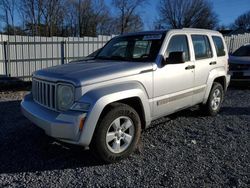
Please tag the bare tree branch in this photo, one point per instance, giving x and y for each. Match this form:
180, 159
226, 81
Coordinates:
8, 8
129, 18
243, 21
187, 13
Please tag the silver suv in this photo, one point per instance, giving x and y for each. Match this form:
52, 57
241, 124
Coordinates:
104, 102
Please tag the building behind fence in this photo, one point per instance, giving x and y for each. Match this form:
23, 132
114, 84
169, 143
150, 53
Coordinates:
20, 56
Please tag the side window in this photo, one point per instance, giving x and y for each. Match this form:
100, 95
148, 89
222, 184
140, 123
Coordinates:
220, 50
178, 43
202, 48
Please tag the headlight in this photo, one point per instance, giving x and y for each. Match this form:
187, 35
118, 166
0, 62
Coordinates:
79, 106
65, 96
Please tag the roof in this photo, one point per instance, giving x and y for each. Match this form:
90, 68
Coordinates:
146, 33
165, 31
199, 30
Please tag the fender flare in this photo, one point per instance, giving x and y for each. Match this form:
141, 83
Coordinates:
213, 74
99, 98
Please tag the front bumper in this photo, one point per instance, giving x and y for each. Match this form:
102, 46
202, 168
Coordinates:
60, 125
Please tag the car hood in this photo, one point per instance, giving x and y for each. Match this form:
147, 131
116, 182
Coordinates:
239, 59
93, 71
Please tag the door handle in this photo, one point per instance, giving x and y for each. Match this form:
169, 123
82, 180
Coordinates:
190, 67
213, 63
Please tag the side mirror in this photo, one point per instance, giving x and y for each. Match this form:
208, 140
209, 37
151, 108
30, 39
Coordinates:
176, 58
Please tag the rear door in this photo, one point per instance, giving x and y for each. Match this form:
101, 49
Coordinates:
220, 51
205, 61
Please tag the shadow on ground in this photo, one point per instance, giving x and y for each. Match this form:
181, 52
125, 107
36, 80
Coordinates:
25, 148
14, 84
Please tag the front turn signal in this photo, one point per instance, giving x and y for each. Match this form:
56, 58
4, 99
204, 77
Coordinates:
81, 124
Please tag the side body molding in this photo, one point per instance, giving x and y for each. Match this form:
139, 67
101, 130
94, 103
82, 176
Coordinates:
215, 73
101, 97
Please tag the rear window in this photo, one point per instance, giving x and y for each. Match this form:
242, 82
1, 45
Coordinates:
219, 46
202, 48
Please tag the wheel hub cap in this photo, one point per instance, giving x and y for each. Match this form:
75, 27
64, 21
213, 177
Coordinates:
215, 103
120, 134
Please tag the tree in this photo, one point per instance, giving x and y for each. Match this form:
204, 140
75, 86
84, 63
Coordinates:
70, 17
187, 13
102, 17
128, 18
43, 17
87, 17
8, 13
54, 14
243, 21
16, 30
31, 12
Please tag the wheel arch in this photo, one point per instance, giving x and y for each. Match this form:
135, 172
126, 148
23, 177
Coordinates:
215, 75
130, 93
221, 80
135, 103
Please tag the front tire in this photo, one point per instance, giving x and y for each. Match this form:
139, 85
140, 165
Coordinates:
215, 99
117, 133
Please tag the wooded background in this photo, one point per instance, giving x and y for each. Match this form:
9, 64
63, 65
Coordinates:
96, 17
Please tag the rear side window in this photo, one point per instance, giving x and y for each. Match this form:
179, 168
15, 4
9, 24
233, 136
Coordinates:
202, 48
178, 43
219, 46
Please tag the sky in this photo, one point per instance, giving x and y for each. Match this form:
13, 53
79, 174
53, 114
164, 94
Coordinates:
227, 11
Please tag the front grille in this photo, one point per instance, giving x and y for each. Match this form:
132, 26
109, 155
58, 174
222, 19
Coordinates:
234, 67
44, 93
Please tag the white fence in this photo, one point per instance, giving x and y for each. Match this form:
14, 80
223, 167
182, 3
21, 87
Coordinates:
235, 41
20, 56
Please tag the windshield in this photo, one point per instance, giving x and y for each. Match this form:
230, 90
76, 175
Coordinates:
242, 51
133, 48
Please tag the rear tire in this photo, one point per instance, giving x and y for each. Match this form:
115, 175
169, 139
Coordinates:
117, 133
215, 99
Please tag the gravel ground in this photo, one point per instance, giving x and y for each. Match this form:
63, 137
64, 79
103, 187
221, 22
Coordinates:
183, 150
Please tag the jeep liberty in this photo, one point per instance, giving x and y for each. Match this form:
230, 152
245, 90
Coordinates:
104, 102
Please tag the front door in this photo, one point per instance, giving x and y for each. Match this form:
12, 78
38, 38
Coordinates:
173, 83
